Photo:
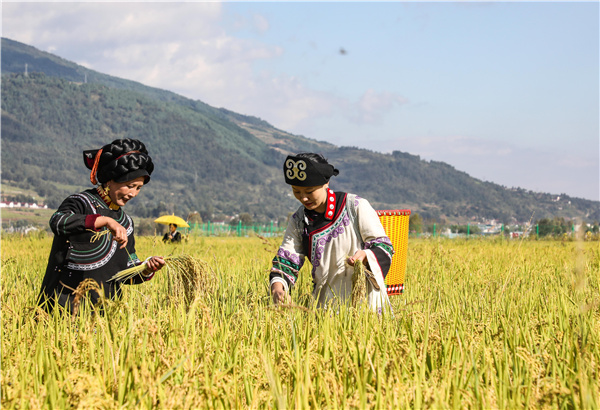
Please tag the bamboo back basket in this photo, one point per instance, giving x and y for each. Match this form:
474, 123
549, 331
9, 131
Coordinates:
395, 223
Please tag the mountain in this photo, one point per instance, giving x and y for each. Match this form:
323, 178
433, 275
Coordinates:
213, 160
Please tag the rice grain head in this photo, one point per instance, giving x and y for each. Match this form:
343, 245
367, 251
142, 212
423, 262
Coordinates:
190, 278
82, 289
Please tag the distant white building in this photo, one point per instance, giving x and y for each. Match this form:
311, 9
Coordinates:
11, 204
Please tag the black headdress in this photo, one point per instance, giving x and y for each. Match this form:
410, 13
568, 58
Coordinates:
301, 170
121, 160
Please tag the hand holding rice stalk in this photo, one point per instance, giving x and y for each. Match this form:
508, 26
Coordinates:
359, 283
151, 264
130, 273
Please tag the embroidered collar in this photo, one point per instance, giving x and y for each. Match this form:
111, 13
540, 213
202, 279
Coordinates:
107, 199
330, 210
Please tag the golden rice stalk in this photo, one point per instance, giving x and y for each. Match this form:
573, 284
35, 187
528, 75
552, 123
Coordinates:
129, 273
98, 234
359, 284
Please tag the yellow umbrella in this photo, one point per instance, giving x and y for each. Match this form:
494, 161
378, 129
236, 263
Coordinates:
172, 219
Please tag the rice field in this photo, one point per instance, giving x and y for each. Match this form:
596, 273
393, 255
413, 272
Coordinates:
482, 324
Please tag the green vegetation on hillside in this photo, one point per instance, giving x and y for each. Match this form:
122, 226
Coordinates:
214, 161
202, 163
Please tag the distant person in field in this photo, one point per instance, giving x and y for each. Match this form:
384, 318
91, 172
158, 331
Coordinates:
120, 170
172, 236
334, 230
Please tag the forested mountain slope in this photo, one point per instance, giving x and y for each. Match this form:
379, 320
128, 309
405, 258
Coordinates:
213, 160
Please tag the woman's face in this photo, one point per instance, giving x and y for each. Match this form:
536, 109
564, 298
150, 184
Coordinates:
122, 192
313, 198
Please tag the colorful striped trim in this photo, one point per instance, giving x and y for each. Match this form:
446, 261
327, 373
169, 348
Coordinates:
133, 261
290, 256
395, 289
286, 268
97, 264
387, 248
405, 212
291, 278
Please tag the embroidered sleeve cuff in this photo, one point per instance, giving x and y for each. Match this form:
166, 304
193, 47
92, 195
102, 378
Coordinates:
90, 221
280, 280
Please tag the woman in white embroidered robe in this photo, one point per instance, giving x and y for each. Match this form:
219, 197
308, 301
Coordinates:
328, 228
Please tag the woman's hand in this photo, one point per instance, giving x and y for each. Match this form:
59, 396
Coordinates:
279, 293
155, 263
360, 256
116, 229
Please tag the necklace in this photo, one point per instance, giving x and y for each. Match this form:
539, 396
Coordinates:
103, 192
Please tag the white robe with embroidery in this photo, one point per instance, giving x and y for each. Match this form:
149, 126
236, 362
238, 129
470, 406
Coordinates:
356, 227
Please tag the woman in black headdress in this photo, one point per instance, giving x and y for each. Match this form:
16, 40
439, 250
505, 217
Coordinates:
334, 230
79, 251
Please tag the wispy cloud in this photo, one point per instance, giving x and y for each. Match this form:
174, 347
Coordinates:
194, 57
373, 106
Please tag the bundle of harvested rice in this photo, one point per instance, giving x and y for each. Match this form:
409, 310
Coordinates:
360, 280
359, 284
188, 276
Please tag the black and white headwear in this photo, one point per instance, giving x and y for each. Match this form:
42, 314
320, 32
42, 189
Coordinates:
122, 160
302, 171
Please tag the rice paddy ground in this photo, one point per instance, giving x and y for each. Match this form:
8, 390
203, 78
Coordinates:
482, 324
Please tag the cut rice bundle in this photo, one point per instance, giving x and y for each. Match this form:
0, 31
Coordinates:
188, 276
359, 284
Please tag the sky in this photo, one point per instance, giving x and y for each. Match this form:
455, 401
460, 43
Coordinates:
507, 92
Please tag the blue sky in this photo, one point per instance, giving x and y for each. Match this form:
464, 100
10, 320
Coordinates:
505, 91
